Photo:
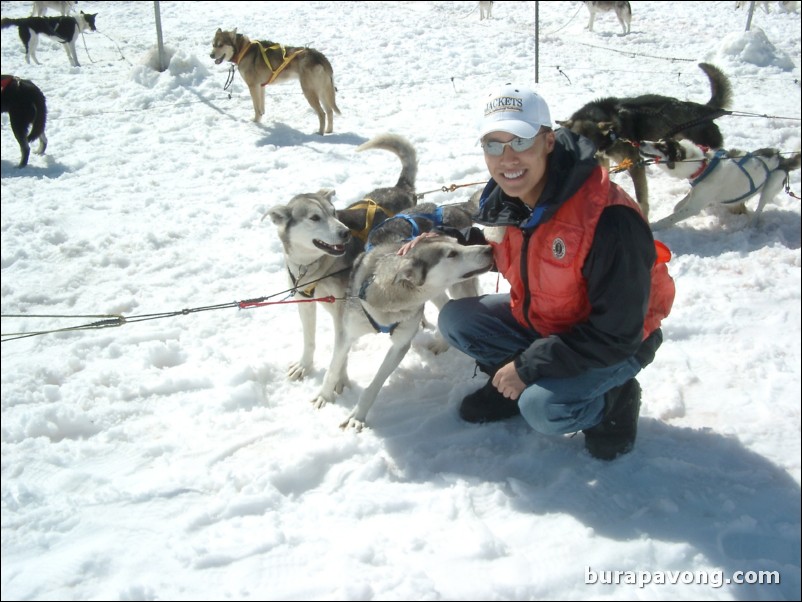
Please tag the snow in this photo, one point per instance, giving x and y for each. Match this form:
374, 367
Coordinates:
172, 460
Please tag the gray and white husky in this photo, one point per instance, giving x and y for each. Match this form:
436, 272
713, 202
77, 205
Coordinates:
387, 293
728, 177
321, 243
622, 10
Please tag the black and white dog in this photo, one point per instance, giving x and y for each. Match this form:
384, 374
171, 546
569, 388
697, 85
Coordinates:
729, 177
61, 29
25, 105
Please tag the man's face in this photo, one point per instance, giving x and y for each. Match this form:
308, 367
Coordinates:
520, 174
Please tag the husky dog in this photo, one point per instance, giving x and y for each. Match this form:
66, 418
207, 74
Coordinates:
622, 10
786, 6
25, 104
264, 62
40, 8
485, 10
61, 29
319, 252
728, 177
361, 217
454, 220
615, 125
320, 243
387, 293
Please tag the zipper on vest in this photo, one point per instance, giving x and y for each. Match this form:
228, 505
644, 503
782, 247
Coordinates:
527, 236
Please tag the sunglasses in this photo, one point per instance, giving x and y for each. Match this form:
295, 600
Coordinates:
518, 145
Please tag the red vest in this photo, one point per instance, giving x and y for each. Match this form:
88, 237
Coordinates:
557, 250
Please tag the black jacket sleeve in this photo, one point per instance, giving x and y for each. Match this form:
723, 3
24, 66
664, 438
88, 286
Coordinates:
618, 275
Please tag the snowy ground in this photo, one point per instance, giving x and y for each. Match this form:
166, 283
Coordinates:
172, 460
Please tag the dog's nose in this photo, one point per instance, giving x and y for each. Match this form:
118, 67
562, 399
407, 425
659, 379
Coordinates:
211, 55
345, 234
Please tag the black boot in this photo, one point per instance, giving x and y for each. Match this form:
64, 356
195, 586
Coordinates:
487, 405
615, 434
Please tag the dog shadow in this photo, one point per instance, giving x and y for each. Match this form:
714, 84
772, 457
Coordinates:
733, 232
281, 135
693, 487
52, 169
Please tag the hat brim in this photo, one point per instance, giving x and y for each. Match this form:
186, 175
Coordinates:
518, 128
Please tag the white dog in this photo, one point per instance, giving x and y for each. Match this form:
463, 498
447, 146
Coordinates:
387, 294
622, 10
485, 10
40, 8
719, 176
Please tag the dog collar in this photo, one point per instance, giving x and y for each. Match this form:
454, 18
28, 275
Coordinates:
707, 167
238, 57
703, 166
308, 292
699, 171
363, 290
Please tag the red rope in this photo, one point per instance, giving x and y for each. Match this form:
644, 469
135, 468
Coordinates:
249, 304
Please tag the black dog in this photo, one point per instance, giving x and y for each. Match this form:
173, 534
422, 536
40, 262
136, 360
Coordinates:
26, 107
615, 125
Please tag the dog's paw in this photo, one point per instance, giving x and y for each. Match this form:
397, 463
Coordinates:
298, 371
353, 423
437, 345
320, 401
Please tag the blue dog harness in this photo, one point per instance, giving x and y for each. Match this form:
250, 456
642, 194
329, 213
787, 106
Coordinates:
740, 162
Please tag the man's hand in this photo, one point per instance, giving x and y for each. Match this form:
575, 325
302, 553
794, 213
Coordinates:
408, 245
507, 381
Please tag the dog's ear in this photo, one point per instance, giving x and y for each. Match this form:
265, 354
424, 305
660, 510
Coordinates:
567, 124
605, 127
218, 32
280, 214
411, 275
327, 193
675, 152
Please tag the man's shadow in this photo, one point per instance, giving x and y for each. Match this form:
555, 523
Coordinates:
689, 486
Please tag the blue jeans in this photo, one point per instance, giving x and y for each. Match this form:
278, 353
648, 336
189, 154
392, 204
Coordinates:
485, 329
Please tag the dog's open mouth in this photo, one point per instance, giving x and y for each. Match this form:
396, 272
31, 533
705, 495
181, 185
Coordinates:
330, 249
218, 61
650, 152
656, 155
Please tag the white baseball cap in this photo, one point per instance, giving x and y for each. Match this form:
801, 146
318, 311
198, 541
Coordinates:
517, 110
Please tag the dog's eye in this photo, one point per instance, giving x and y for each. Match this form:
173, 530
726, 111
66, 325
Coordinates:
314, 218
451, 254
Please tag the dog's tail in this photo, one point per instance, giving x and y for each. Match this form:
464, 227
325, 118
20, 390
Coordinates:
402, 149
720, 88
333, 100
39, 103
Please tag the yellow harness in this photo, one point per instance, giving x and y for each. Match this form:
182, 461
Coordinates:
286, 60
371, 207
